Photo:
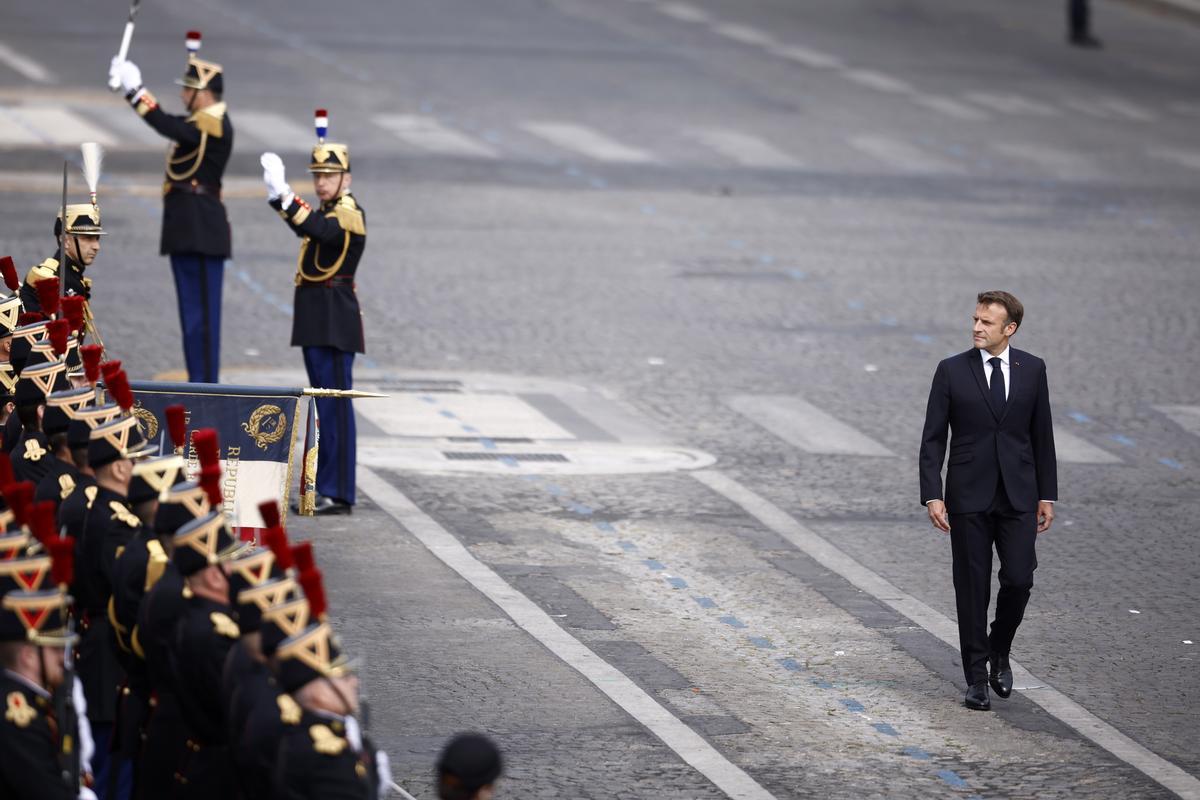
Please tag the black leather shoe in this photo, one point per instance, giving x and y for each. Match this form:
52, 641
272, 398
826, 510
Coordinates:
977, 698
327, 506
1000, 675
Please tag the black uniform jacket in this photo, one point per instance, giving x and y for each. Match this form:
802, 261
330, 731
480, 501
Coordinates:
326, 304
254, 712
76, 283
164, 750
29, 767
31, 457
316, 761
194, 219
1016, 443
72, 511
59, 482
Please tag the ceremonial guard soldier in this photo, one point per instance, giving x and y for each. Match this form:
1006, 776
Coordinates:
82, 244
327, 322
195, 230
32, 456
39, 753
64, 475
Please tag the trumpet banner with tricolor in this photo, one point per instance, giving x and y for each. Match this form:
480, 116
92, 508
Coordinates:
257, 432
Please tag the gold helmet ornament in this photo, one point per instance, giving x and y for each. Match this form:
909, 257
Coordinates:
83, 219
326, 156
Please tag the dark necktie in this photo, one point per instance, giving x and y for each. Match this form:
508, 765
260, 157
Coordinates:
996, 385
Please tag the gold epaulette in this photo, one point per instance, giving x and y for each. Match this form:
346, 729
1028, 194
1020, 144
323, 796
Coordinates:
39, 272
156, 563
210, 120
350, 216
145, 104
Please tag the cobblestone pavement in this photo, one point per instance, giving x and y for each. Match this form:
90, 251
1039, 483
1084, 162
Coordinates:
785, 203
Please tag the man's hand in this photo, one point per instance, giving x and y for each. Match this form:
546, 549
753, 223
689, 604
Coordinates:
938, 516
127, 73
273, 177
1045, 515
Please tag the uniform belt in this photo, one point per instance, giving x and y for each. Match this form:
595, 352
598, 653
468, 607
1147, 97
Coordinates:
191, 187
336, 280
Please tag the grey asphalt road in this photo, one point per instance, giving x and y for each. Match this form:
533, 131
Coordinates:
614, 242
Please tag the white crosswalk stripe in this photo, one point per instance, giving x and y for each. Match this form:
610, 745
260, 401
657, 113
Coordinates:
805, 426
1186, 417
273, 131
426, 133
588, 142
25, 65
878, 81
950, 107
902, 155
1111, 108
683, 12
130, 130
807, 56
1184, 158
1057, 163
1012, 104
49, 125
745, 149
1073, 449
743, 34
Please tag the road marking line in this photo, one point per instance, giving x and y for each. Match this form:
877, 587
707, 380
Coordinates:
747, 150
684, 12
1186, 158
1058, 163
588, 142
1186, 417
1053, 701
58, 126
805, 426
902, 155
428, 134
950, 107
743, 34
275, 131
1077, 450
14, 132
684, 741
878, 81
130, 129
1012, 104
807, 56
1111, 108
25, 65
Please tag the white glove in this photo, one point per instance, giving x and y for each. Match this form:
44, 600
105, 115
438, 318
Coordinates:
87, 794
383, 765
273, 177
128, 73
87, 744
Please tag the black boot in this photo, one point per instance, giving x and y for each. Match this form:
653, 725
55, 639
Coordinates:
1000, 675
977, 698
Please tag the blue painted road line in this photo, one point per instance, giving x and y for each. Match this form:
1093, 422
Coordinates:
732, 621
447, 414
606, 527
853, 705
677, 583
628, 547
509, 461
953, 778
705, 602
580, 509
797, 274
554, 490
917, 753
791, 665
760, 641
923, 338
1080, 417
885, 729
1170, 462
470, 428
654, 564
427, 399
854, 305
821, 684
1121, 438
488, 444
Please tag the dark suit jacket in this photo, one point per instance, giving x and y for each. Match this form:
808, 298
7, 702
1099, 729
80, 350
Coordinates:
1017, 444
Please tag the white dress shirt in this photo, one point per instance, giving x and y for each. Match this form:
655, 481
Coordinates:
1004, 370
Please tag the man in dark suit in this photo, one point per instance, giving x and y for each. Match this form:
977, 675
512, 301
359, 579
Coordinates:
195, 228
1001, 483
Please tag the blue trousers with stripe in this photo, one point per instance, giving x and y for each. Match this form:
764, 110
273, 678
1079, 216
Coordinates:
198, 281
330, 368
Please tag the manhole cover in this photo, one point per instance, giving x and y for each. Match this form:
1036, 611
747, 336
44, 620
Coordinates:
491, 455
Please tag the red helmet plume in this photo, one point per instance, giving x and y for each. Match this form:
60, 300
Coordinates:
109, 367
62, 559
45, 525
91, 355
19, 497
29, 318
9, 270
302, 555
314, 592
47, 292
207, 447
6, 470
72, 307
177, 424
118, 386
269, 510
276, 539
210, 482
59, 331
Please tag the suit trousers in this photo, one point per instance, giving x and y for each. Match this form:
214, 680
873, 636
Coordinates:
198, 281
1014, 535
330, 368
